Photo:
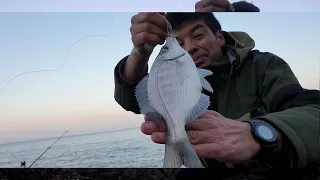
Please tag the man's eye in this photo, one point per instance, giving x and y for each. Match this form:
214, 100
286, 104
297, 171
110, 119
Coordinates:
198, 35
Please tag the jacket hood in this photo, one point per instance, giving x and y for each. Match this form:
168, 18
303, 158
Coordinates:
239, 44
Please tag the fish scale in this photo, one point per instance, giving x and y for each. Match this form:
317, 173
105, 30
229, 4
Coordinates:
172, 93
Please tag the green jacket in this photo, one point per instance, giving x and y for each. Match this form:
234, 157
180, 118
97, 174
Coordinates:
251, 84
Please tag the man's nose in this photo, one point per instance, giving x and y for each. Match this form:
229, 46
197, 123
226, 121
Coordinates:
190, 47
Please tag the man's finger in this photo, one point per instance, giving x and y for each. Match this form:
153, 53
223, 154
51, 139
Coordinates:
157, 19
159, 137
229, 8
148, 28
199, 5
144, 37
149, 127
198, 137
203, 3
200, 124
147, 118
205, 121
220, 4
210, 151
210, 9
209, 113
161, 126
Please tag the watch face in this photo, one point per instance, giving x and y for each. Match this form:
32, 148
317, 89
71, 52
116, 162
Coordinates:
265, 132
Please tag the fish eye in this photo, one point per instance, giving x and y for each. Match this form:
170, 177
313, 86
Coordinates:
165, 48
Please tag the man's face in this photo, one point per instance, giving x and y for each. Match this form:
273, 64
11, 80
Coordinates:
200, 42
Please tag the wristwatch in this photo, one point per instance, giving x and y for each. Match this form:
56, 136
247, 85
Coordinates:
265, 134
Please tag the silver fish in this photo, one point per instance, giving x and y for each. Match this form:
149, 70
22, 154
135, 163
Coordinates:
172, 92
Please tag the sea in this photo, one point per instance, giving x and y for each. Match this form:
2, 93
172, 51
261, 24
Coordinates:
127, 148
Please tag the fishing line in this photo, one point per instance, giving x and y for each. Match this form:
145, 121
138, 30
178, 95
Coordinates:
65, 61
169, 28
182, 6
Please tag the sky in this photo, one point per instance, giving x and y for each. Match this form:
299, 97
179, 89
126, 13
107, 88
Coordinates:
147, 5
79, 96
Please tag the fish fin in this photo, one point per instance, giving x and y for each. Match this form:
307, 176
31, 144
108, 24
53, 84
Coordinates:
205, 84
141, 93
204, 72
172, 157
202, 106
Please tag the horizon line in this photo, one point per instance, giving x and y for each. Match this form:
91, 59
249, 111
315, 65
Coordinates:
25, 141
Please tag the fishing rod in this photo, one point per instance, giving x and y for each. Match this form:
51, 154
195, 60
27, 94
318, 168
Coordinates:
48, 149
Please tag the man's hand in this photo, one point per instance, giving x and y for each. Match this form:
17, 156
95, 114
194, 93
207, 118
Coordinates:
214, 6
214, 137
148, 29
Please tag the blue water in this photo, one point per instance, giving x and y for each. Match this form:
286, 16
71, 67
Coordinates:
116, 149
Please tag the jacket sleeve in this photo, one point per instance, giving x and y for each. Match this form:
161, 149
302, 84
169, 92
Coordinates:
293, 110
124, 94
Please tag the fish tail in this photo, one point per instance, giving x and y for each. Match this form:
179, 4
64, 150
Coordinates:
172, 157
190, 157
181, 153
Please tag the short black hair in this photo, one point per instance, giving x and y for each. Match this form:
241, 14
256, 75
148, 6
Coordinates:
176, 19
244, 6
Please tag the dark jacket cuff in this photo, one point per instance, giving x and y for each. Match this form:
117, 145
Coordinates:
287, 156
118, 73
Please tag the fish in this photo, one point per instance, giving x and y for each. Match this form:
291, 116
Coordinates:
171, 93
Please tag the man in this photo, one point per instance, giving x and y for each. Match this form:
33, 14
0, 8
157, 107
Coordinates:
252, 90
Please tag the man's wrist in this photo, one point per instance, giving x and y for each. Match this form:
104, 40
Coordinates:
132, 69
138, 56
255, 145
282, 152
265, 137
119, 73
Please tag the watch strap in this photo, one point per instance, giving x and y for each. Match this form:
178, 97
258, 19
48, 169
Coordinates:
266, 147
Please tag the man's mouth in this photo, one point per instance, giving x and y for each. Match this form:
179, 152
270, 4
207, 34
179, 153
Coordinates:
198, 61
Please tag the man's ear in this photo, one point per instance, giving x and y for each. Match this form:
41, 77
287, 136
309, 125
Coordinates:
220, 37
